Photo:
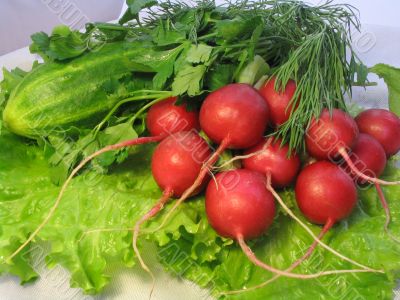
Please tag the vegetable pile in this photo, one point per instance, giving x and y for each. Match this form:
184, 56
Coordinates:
235, 111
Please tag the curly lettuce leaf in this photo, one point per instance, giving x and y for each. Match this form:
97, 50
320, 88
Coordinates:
187, 245
93, 201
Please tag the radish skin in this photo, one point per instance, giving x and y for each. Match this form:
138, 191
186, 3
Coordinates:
280, 103
168, 118
270, 156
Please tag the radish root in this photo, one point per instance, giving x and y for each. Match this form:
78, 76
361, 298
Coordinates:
387, 213
250, 254
151, 213
310, 232
128, 143
374, 180
310, 250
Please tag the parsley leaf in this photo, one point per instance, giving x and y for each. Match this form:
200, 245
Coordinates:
134, 7
188, 80
199, 53
63, 43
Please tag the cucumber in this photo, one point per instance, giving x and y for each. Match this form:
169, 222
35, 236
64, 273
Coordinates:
59, 95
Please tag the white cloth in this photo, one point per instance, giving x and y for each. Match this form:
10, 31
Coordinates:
20, 18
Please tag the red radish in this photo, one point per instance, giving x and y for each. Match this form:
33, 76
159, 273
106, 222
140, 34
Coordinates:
273, 157
334, 134
384, 126
370, 158
176, 163
239, 206
325, 194
331, 133
280, 103
165, 119
234, 116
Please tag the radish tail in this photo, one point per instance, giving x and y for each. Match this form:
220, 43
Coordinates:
324, 230
252, 257
199, 180
387, 212
374, 180
310, 232
133, 142
151, 213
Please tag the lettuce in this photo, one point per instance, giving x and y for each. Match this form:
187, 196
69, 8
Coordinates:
93, 201
391, 76
187, 246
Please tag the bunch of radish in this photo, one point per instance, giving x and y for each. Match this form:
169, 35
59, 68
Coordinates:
240, 203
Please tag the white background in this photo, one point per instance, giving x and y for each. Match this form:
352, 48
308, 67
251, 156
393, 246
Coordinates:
20, 18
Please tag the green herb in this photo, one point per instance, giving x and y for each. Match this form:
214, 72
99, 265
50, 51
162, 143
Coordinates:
310, 44
62, 44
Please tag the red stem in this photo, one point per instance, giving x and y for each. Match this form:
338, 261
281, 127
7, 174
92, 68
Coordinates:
137, 141
328, 225
385, 206
252, 257
374, 180
151, 213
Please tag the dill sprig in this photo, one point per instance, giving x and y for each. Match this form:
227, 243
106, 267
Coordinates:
312, 46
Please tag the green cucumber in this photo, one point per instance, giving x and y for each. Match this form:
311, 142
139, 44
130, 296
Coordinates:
58, 95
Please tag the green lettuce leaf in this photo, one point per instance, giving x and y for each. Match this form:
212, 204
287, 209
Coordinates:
93, 201
391, 76
187, 246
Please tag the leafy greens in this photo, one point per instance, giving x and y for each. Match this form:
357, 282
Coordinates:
116, 200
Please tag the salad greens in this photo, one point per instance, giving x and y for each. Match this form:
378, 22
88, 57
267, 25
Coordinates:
115, 201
